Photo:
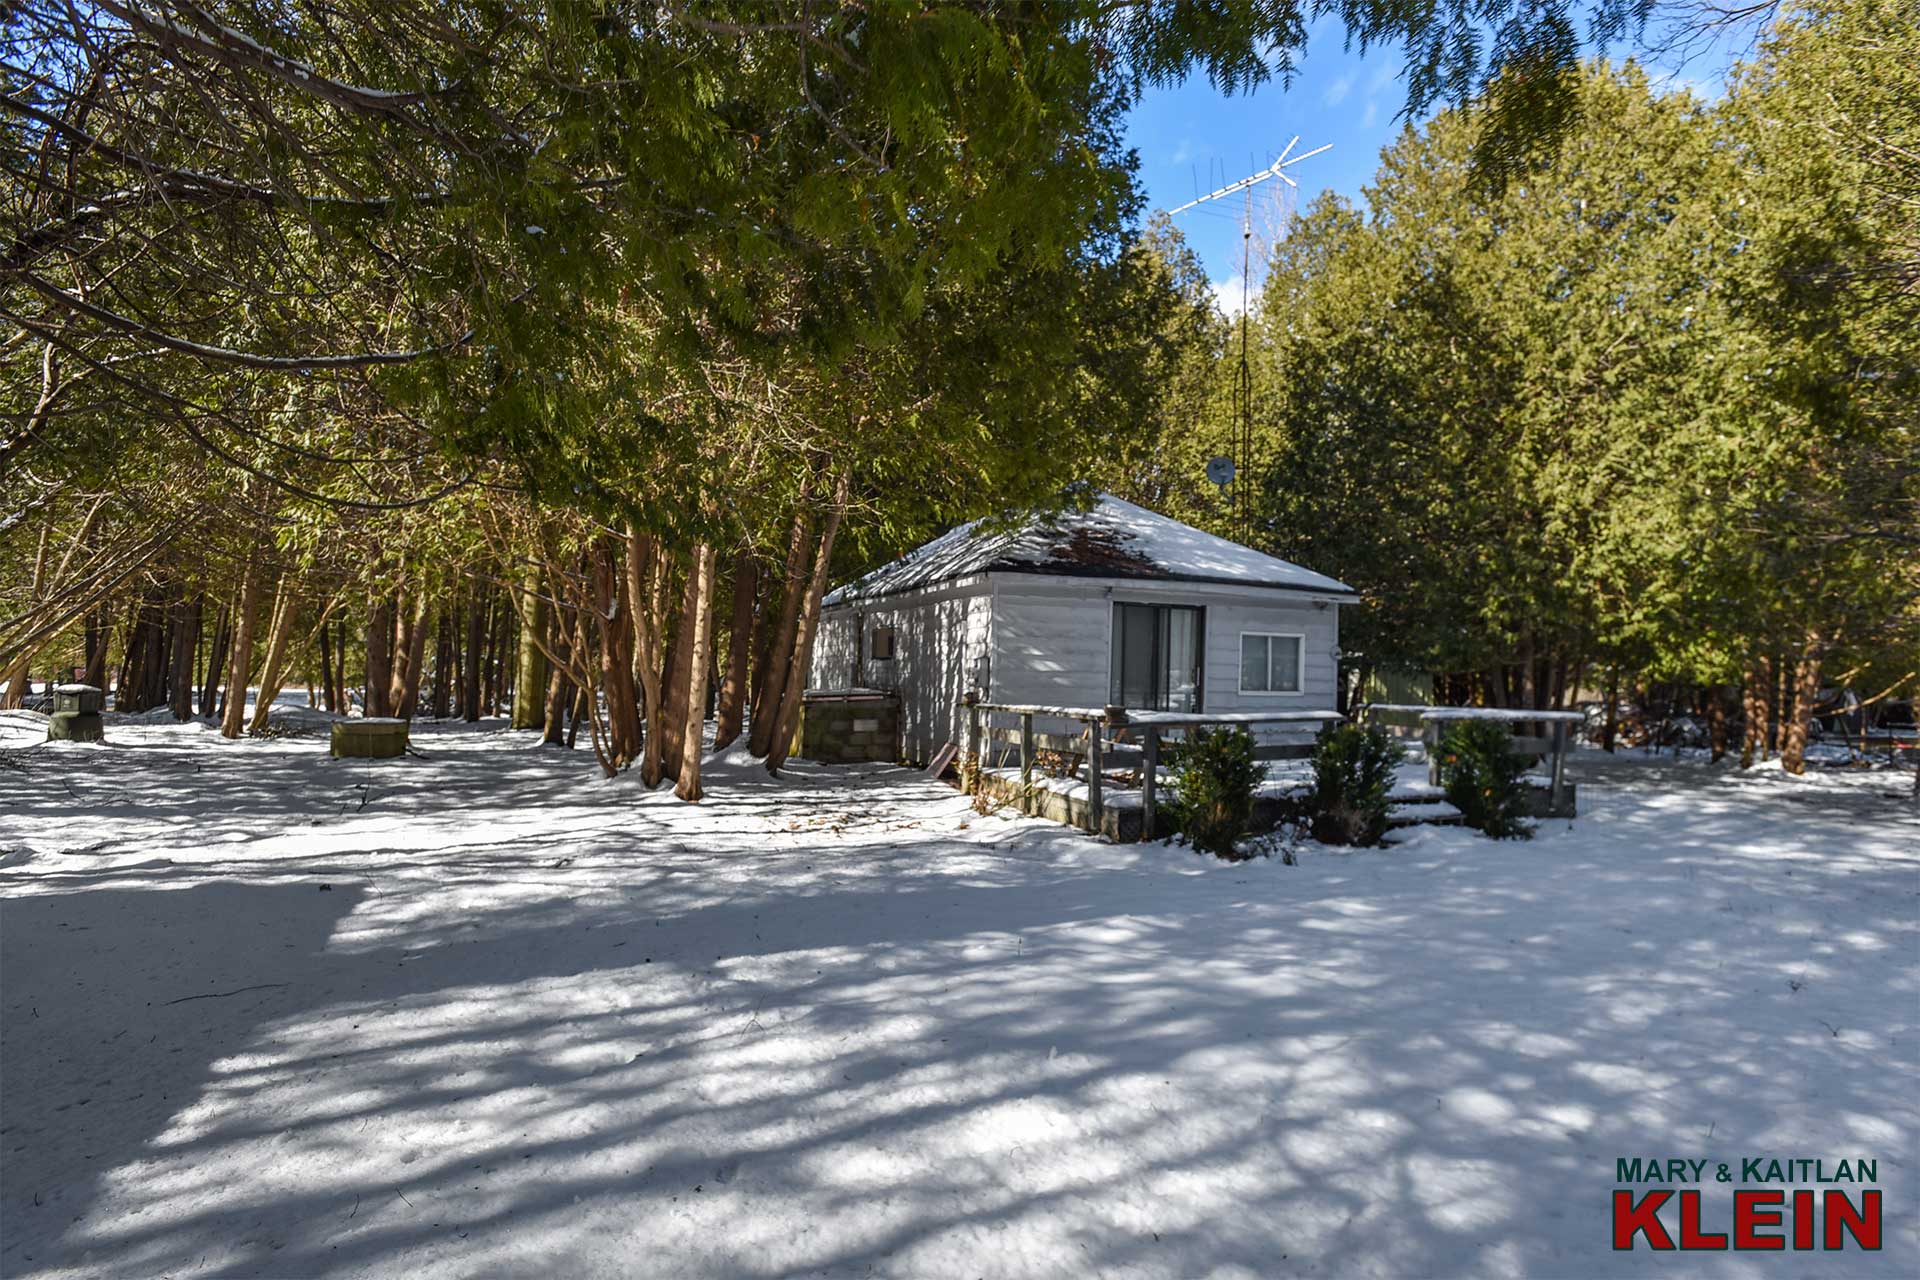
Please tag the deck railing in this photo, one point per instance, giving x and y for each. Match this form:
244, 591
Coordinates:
1102, 740
1114, 734
1434, 720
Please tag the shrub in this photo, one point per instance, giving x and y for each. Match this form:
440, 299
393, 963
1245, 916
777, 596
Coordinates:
1214, 776
1481, 772
1352, 774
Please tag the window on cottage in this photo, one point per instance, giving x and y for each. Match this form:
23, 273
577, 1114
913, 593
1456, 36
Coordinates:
1157, 656
880, 644
1270, 663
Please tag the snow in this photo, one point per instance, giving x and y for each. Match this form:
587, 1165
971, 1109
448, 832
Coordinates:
1177, 718
1113, 539
1491, 713
480, 1012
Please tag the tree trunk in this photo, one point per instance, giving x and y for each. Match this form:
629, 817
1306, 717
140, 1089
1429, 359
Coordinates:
530, 672
442, 664
1806, 692
802, 658
560, 691
329, 693
340, 664
16, 676
1610, 725
616, 657
272, 675
95, 635
240, 666
733, 689
407, 694
770, 688
1769, 707
143, 671
699, 661
494, 667
1753, 708
642, 590
583, 704
677, 679
379, 699
186, 643
1717, 722
470, 673
216, 660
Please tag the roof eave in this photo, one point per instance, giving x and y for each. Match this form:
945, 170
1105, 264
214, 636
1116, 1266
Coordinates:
1339, 591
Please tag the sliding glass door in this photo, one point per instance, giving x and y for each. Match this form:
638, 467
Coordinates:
1158, 654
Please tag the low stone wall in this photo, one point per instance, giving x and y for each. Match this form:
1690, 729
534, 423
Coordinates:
849, 727
1120, 823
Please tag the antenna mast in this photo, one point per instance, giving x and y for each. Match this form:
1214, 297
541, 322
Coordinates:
1243, 376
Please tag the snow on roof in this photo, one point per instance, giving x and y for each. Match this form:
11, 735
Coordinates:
1113, 539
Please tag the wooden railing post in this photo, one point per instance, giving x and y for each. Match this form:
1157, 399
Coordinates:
1430, 734
1149, 780
1559, 788
973, 739
1026, 749
1094, 732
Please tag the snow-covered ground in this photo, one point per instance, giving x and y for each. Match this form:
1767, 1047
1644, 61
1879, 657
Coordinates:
480, 1013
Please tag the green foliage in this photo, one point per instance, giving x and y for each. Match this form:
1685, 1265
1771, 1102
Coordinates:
1352, 774
1482, 773
1649, 405
1214, 776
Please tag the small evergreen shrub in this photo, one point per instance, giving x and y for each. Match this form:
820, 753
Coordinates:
1214, 776
1481, 773
1352, 774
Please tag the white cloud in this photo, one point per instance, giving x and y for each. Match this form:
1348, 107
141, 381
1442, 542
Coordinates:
1337, 91
1383, 75
1371, 114
1227, 293
1182, 153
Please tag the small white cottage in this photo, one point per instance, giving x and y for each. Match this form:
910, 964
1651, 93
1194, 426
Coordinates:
1115, 606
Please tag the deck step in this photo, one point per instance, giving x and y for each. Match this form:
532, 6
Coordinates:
1436, 813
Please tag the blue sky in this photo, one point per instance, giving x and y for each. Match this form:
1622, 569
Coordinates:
1192, 138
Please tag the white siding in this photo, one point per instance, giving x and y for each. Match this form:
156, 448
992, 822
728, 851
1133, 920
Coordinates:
832, 666
1053, 635
941, 648
1050, 639
1319, 664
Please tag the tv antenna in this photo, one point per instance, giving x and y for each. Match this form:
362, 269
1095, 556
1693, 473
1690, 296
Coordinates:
1243, 377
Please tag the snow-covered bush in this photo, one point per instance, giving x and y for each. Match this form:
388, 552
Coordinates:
1214, 776
1352, 774
1481, 773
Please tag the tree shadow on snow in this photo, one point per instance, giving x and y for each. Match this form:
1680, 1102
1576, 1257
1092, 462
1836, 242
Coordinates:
674, 1055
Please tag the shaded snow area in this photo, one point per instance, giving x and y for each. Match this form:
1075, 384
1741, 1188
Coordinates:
477, 1012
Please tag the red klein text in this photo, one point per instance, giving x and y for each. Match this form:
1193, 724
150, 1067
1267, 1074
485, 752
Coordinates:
1761, 1220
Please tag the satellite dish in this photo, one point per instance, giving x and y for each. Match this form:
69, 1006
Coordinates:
1220, 470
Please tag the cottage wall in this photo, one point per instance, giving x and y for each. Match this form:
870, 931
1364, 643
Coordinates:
941, 649
1052, 638
1044, 640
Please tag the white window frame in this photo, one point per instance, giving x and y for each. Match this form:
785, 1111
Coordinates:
1240, 664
